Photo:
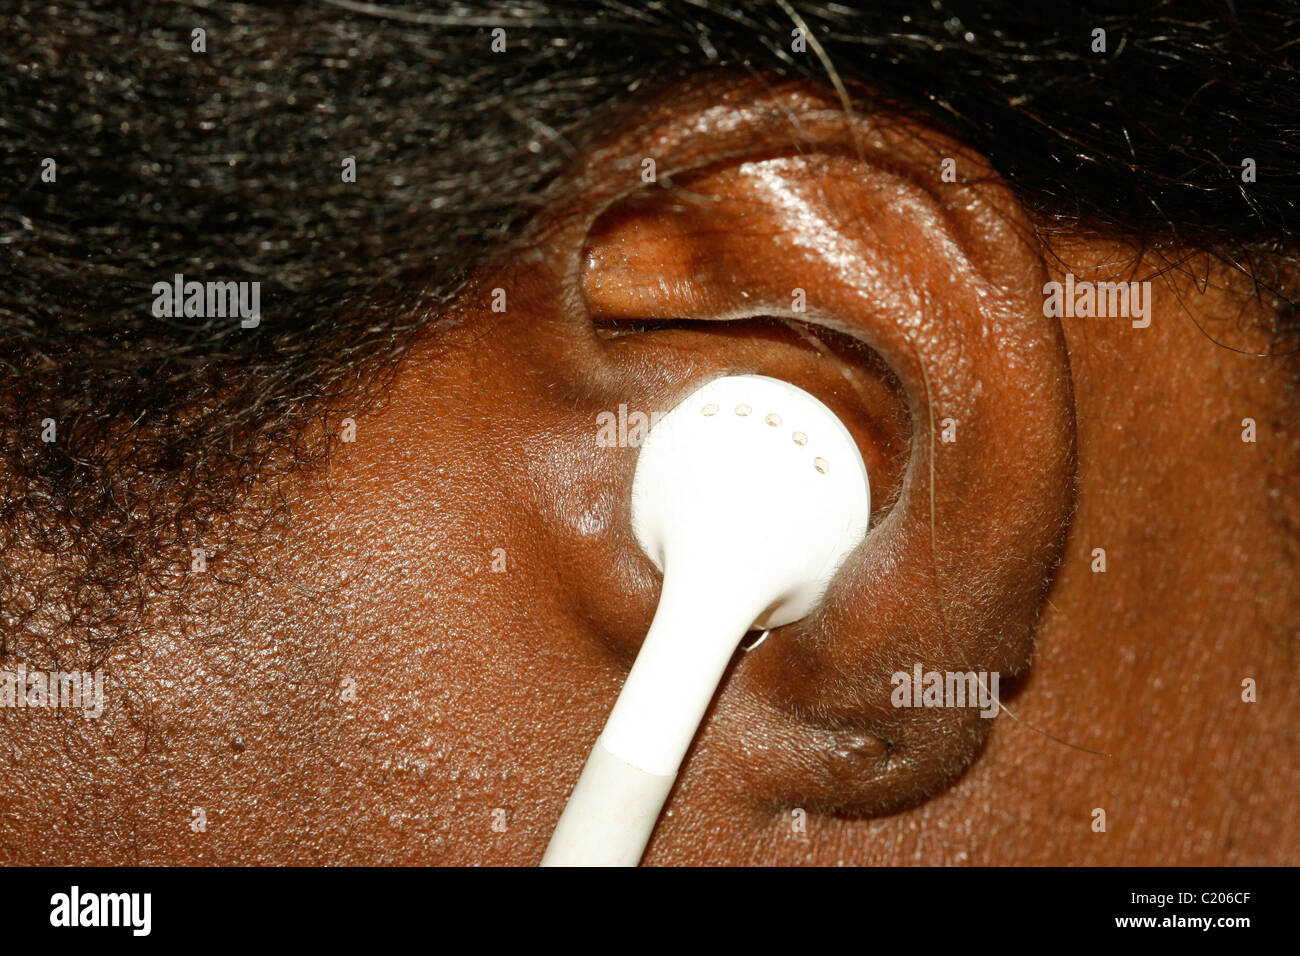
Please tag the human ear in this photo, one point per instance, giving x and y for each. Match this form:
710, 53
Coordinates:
783, 237
842, 260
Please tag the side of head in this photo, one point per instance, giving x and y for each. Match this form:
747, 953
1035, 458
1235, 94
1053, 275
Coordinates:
362, 579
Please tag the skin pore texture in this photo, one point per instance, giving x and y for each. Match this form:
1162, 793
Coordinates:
360, 685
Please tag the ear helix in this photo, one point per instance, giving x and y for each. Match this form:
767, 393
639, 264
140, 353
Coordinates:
748, 496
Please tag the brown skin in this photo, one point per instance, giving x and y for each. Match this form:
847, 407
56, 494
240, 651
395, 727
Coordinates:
375, 691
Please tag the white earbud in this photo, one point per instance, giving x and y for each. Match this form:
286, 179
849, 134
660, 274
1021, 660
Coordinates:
748, 496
